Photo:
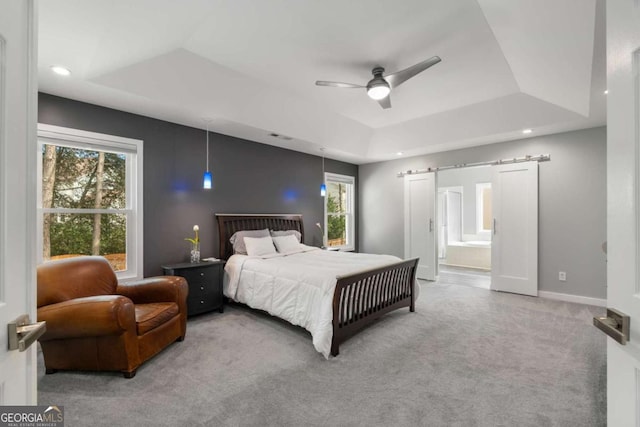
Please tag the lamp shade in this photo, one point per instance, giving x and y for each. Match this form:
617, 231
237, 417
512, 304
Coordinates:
208, 179
323, 190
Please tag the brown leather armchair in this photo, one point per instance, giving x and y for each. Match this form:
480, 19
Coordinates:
95, 323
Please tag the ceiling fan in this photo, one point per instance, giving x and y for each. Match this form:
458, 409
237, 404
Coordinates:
380, 86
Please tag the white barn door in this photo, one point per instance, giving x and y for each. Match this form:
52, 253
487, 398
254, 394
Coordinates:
17, 196
420, 222
623, 210
514, 246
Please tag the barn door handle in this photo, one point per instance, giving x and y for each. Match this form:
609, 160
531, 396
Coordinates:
430, 224
494, 226
22, 333
615, 324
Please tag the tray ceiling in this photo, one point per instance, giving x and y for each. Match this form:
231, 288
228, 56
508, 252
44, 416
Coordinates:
250, 66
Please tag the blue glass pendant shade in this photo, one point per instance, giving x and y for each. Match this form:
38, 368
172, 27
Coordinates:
208, 179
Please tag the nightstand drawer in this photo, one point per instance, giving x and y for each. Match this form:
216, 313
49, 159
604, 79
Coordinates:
201, 276
203, 302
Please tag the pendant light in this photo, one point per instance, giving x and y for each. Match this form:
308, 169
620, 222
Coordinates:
323, 187
208, 178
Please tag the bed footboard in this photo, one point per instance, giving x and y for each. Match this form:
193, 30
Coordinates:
361, 298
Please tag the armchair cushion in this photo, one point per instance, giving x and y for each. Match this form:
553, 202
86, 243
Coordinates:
150, 316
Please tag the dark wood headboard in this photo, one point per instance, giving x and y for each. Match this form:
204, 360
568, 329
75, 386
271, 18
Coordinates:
230, 223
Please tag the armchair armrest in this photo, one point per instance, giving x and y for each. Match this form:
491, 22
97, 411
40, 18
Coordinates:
88, 317
156, 289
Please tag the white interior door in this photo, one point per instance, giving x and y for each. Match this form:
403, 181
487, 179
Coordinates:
17, 194
514, 246
419, 222
623, 215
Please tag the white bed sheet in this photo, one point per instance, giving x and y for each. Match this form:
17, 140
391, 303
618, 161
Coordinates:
297, 287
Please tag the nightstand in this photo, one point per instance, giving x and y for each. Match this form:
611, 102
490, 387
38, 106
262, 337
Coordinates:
205, 284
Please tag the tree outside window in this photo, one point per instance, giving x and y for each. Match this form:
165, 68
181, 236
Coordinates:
82, 179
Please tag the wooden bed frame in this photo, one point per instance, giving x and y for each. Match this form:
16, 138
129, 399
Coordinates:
359, 298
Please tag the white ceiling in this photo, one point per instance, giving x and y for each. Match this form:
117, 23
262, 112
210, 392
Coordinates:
250, 66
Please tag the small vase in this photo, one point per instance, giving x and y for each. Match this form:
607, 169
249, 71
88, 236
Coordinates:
195, 252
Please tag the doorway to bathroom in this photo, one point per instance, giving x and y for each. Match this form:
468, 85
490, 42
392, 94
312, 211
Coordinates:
464, 218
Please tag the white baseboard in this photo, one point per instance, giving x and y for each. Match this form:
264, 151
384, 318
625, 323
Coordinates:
600, 302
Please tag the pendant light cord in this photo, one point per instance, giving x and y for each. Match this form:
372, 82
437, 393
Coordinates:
207, 146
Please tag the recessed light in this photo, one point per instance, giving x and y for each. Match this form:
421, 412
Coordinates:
526, 131
399, 153
606, 91
58, 69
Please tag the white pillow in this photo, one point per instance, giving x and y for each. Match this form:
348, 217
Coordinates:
286, 243
237, 240
286, 233
258, 246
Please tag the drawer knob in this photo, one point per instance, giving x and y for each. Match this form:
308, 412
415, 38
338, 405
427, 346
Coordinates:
202, 288
201, 302
202, 274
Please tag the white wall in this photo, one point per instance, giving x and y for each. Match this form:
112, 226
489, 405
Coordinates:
572, 204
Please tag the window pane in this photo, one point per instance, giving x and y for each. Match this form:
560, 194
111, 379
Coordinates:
337, 197
486, 208
82, 179
69, 235
336, 230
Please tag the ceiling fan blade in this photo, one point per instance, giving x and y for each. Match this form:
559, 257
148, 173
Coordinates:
385, 102
399, 77
339, 84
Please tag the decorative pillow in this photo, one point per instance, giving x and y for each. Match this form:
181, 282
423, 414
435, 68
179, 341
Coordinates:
286, 243
287, 233
258, 246
237, 240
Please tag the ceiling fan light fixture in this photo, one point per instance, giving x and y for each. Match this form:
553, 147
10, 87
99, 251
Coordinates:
378, 88
378, 91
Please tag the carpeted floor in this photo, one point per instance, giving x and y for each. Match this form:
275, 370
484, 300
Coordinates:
467, 357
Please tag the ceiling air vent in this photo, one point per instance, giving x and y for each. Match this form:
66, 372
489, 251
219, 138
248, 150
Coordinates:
277, 135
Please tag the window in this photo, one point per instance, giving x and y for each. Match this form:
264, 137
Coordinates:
484, 214
90, 198
340, 211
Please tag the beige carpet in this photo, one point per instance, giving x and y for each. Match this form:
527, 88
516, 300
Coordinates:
467, 357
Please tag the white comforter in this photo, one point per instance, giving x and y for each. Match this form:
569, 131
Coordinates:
297, 287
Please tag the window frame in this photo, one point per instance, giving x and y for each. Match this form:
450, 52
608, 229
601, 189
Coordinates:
133, 149
480, 187
351, 209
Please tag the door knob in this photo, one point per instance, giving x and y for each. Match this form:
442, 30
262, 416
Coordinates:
22, 333
615, 324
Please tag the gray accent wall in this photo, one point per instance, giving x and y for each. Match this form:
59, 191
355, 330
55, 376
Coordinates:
572, 204
248, 177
